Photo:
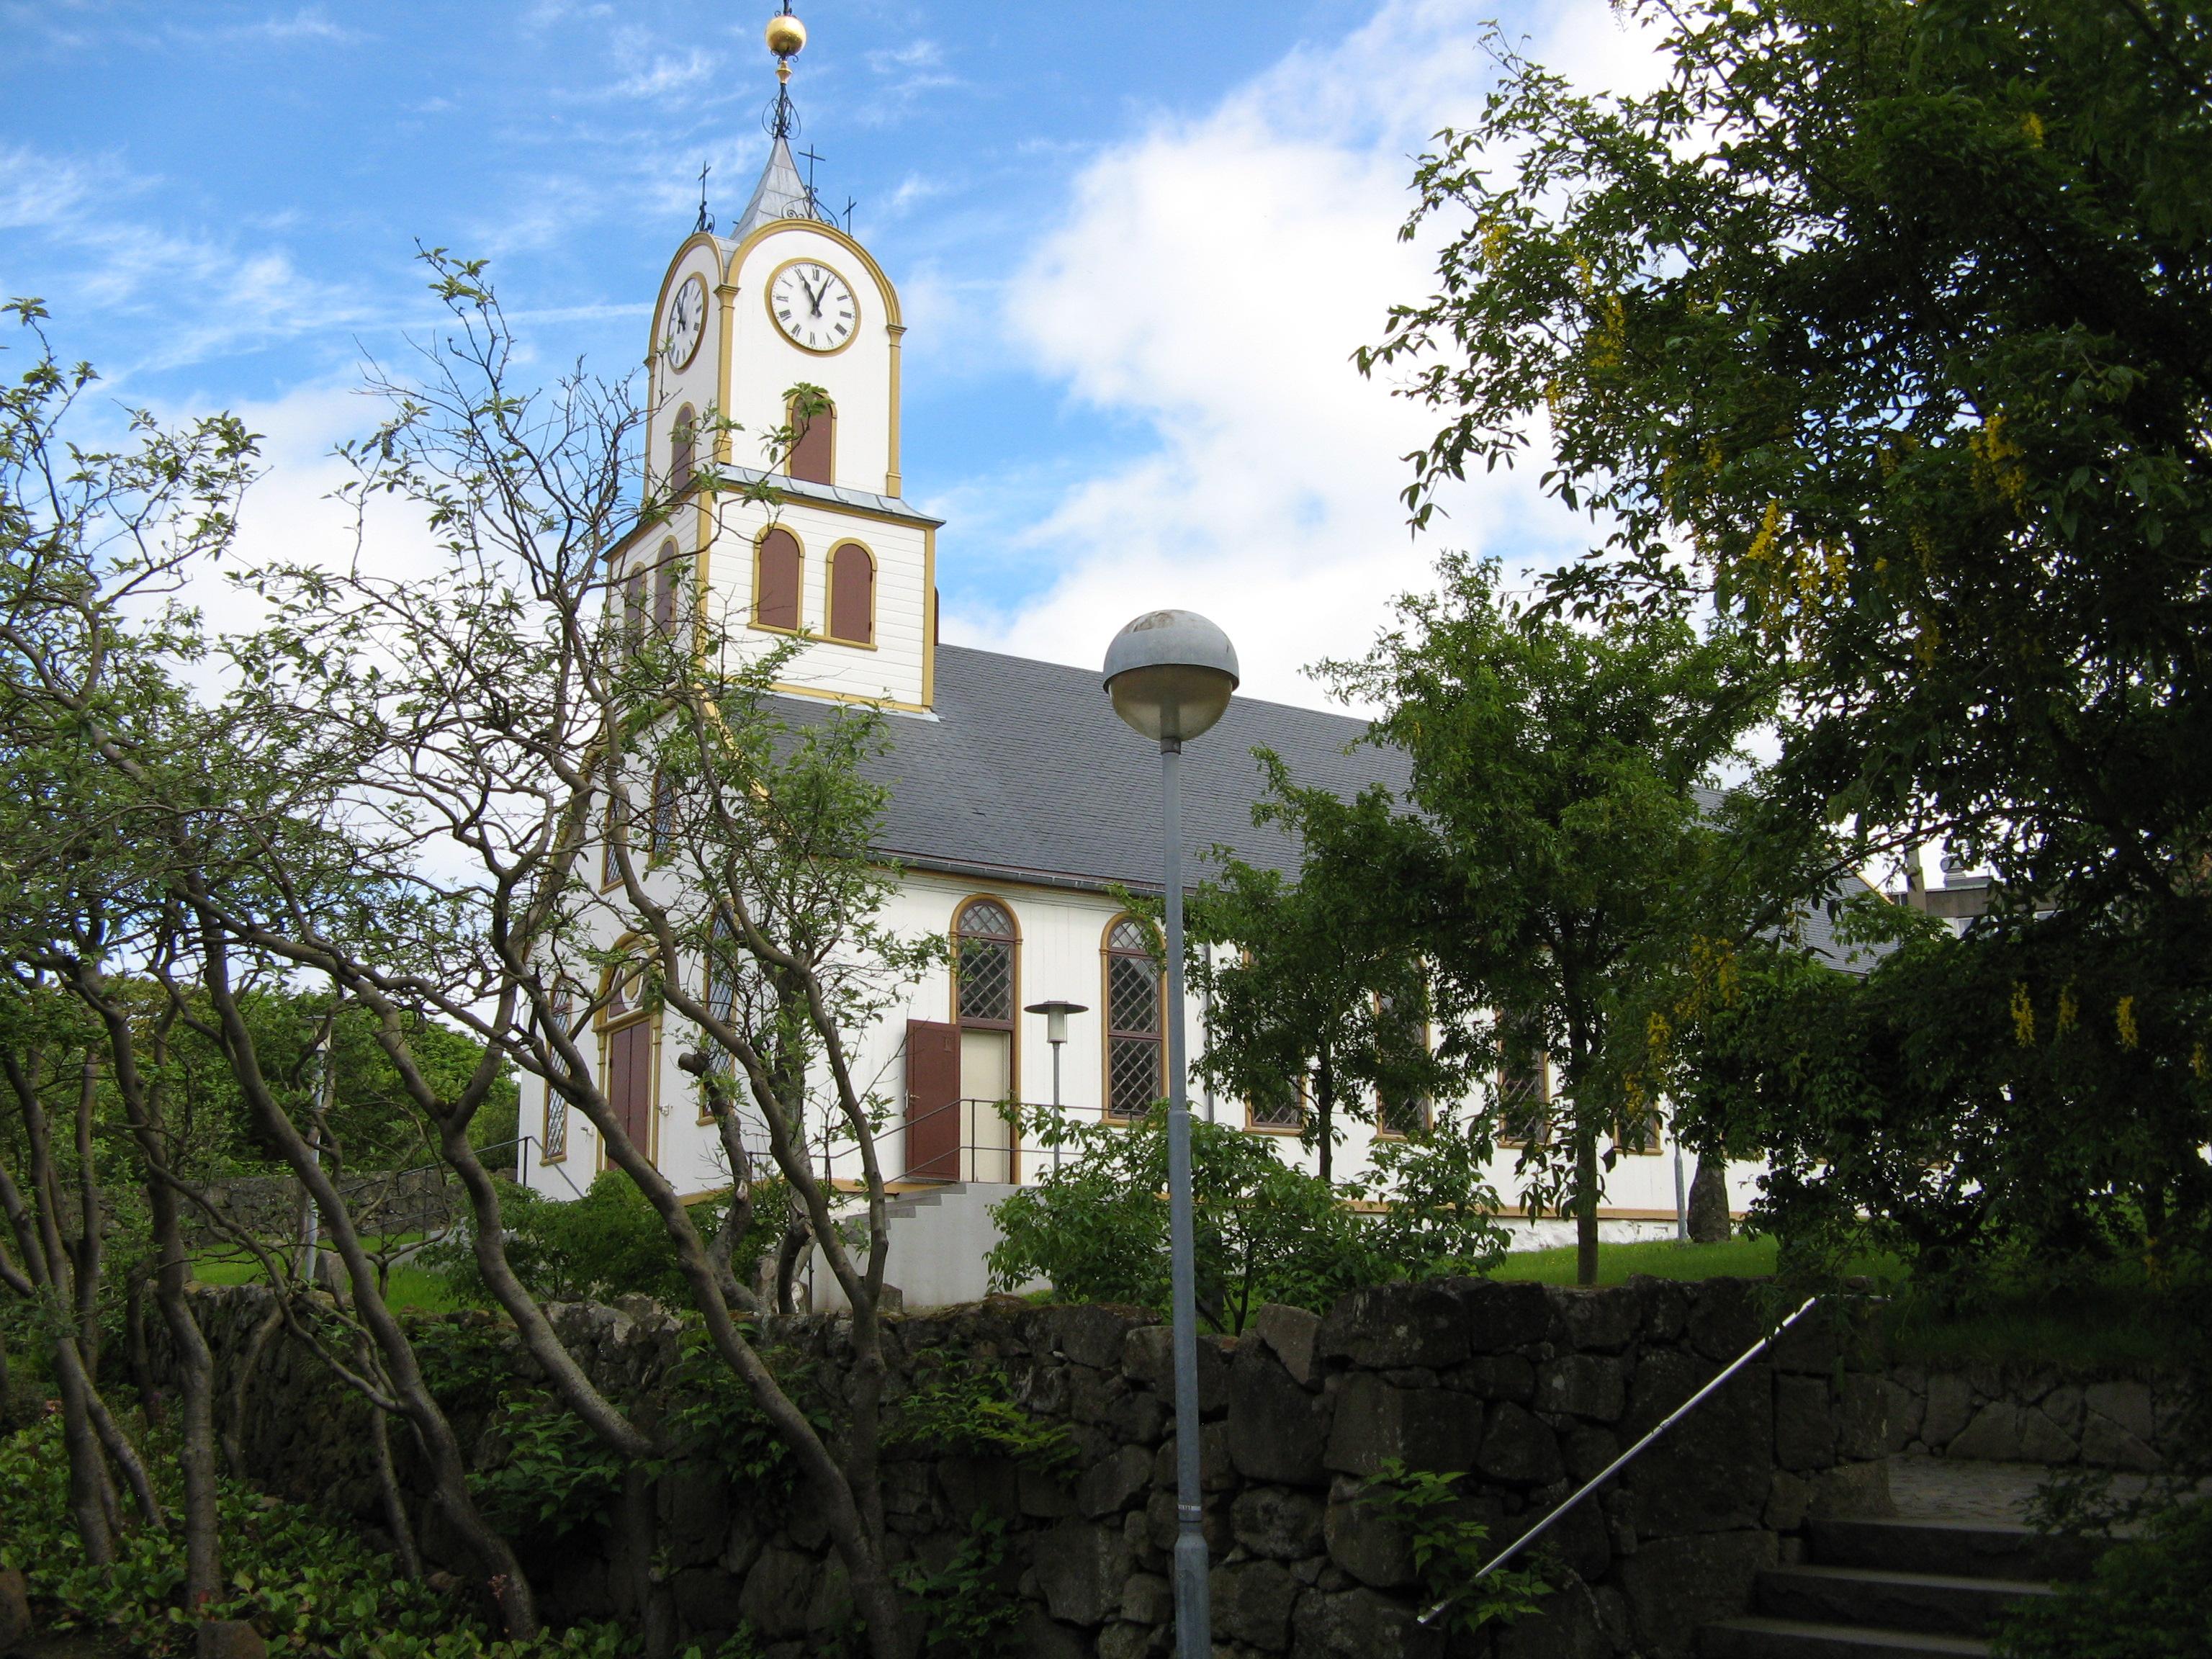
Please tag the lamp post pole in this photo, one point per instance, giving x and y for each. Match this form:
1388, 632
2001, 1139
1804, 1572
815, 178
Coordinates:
1170, 674
1055, 1033
1194, 1613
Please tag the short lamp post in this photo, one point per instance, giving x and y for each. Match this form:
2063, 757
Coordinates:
1055, 1032
1170, 674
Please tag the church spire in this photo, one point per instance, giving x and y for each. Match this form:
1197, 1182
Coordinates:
780, 193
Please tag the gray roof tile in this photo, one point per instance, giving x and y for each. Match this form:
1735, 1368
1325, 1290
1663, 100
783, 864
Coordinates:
1027, 774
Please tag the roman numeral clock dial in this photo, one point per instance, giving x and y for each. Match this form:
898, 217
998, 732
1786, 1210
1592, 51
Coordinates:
814, 306
687, 322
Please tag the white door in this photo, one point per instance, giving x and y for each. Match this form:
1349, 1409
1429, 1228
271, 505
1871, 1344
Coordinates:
986, 1079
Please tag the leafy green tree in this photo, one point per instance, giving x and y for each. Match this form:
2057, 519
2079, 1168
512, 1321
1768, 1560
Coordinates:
1938, 1106
1557, 855
1096, 1228
1881, 320
1311, 1015
1879, 325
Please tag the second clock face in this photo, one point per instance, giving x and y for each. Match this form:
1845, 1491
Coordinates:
814, 306
687, 321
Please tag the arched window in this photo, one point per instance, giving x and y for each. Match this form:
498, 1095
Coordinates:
614, 826
553, 1143
813, 456
1524, 1085
775, 580
984, 944
633, 610
661, 837
682, 449
986, 991
1134, 1067
628, 1051
722, 970
663, 588
1400, 1110
852, 594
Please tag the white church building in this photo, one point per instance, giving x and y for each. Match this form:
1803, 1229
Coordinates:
1019, 803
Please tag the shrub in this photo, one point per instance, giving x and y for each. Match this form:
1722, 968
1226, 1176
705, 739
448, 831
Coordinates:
1096, 1228
310, 1587
2149, 1598
609, 1242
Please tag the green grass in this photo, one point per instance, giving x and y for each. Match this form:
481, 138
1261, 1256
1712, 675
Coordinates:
406, 1286
2112, 1320
1747, 1258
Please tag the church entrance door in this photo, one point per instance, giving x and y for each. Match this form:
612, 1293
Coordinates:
986, 1079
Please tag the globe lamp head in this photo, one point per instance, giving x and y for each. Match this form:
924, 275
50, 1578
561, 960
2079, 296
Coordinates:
1170, 674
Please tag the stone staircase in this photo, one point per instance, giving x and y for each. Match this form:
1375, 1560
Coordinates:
939, 1236
1931, 1579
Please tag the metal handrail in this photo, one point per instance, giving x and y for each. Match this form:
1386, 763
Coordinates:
1618, 1463
1019, 1116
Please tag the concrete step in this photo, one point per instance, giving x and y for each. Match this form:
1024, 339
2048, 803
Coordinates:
1962, 1549
909, 1204
1759, 1638
1939, 1604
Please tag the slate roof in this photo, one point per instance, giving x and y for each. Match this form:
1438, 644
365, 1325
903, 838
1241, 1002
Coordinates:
1026, 773
806, 490
781, 194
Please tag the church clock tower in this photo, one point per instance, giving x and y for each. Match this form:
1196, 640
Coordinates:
787, 325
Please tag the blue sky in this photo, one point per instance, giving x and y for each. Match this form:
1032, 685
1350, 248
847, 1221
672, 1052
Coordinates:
1133, 260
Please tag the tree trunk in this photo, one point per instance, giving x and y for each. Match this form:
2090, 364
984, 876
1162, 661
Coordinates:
1708, 1201
1586, 1171
196, 1450
1585, 1201
88, 1497
1325, 1110
448, 1467
395, 1504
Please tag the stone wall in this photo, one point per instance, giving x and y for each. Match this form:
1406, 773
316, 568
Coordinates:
1528, 1389
2035, 1414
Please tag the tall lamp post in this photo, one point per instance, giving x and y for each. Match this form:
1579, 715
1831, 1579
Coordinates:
1170, 674
1055, 1032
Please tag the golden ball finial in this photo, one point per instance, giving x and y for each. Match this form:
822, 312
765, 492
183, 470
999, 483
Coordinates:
786, 34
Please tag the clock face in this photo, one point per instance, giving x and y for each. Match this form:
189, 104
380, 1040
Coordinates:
687, 321
814, 306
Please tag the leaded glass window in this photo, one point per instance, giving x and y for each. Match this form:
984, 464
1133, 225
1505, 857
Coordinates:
1400, 1110
1524, 1086
664, 814
1133, 1019
722, 991
984, 943
555, 1145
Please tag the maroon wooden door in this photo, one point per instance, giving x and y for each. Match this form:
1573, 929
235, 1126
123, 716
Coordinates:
630, 1082
932, 1101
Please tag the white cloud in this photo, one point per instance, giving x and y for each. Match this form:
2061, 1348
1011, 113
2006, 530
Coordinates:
208, 295
307, 23
1211, 279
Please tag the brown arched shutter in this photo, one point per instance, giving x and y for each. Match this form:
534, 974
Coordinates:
664, 589
813, 451
682, 449
853, 595
776, 592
